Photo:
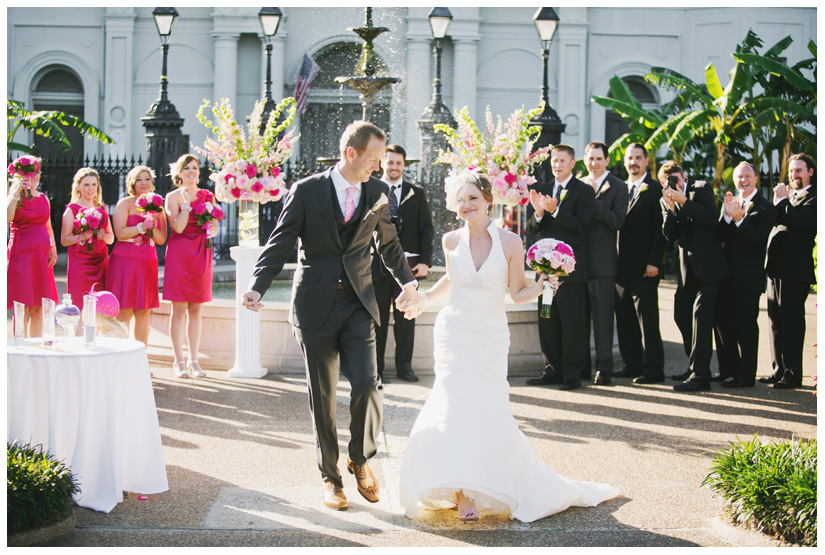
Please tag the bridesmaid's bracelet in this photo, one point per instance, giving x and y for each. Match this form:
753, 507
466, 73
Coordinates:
185, 208
141, 228
18, 198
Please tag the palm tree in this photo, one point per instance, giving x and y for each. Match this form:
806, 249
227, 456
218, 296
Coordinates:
47, 124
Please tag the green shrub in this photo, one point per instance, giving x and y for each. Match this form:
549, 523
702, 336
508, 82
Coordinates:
39, 489
770, 487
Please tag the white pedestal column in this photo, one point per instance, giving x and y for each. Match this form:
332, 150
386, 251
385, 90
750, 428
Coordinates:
247, 323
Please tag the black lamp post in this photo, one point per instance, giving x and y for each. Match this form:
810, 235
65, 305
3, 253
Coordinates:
270, 19
432, 177
162, 121
551, 125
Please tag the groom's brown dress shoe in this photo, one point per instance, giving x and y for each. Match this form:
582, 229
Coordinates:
367, 484
334, 497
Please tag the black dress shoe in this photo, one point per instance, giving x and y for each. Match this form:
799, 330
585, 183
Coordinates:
773, 378
692, 385
720, 378
738, 382
643, 380
408, 376
783, 384
681, 377
569, 386
626, 373
545, 379
602, 378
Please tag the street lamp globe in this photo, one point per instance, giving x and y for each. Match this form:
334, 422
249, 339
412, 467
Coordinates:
546, 22
270, 19
440, 19
165, 19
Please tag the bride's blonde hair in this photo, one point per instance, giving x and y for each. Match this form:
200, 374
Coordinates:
455, 182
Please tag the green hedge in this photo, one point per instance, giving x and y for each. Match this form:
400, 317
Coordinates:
770, 487
39, 489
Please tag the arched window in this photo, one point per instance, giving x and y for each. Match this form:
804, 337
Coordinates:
333, 106
59, 88
614, 125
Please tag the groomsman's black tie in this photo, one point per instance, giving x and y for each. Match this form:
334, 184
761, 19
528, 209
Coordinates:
393, 200
557, 194
632, 191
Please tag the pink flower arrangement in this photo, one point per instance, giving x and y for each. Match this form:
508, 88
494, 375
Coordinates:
506, 155
554, 258
207, 211
149, 202
87, 219
250, 163
26, 169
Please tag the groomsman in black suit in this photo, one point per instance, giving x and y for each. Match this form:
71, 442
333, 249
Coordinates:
410, 213
641, 247
744, 227
609, 213
790, 268
562, 210
690, 215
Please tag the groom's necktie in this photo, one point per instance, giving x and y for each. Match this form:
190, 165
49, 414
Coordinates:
351, 190
393, 200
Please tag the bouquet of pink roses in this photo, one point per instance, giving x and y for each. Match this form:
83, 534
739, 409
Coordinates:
148, 202
554, 258
87, 219
206, 210
26, 169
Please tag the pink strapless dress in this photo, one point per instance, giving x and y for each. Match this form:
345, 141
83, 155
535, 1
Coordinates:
85, 268
28, 276
187, 274
133, 270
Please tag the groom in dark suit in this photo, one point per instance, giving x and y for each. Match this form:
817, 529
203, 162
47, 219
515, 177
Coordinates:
562, 210
609, 213
335, 215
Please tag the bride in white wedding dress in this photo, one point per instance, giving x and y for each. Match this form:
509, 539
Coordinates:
466, 449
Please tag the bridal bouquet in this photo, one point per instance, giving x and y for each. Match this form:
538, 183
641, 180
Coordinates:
26, 169
554, 258
87, 219
148, 202
204, 208
250, 165
506, 155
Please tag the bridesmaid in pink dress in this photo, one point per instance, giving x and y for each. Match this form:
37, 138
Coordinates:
86, 267
187, 276
133, 265
31, 252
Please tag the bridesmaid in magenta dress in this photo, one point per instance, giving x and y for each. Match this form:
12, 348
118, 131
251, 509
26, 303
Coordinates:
86, 267
187, 275
133, 265
31, 252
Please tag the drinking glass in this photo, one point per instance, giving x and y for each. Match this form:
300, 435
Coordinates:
19, 322
48, 321
89, 313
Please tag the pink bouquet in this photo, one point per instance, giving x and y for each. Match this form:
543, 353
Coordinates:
150, 202
206, 210
87, 219
26, 169
554, 258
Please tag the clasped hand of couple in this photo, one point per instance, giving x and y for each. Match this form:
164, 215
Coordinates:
410, 302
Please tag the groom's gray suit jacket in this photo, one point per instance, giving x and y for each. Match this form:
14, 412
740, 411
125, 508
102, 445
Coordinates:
309, 215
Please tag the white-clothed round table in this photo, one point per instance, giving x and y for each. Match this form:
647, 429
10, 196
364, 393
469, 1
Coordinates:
94, 409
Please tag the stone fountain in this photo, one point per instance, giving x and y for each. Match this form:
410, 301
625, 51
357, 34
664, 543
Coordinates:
365, 80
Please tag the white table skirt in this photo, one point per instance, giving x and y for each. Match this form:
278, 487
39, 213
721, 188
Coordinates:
94, 409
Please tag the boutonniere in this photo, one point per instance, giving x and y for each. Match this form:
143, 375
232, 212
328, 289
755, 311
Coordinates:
801, 194
642, 189
563, 195
691, 195
410, 194
382, 200
605, 187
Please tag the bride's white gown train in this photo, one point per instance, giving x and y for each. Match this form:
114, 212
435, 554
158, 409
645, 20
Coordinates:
466, 437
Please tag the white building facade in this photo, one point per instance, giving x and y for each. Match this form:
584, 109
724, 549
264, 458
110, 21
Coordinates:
105, 63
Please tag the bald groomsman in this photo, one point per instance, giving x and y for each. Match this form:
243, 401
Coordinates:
608, 215
790, 268
744, 227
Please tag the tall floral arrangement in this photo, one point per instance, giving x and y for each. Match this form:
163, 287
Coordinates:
250, 164
506, 154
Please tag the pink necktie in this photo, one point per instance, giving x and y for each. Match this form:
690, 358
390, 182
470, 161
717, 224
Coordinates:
351, 190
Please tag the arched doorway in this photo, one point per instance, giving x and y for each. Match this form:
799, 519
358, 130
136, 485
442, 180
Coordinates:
59, 88
332, 106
